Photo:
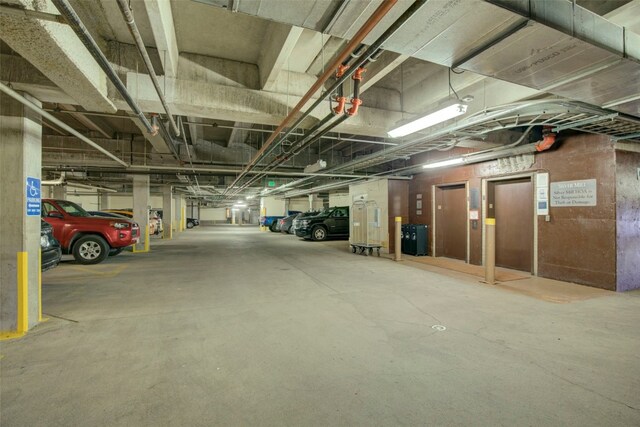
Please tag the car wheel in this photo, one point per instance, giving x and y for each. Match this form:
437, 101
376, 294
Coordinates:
273, 226
90, 249
290, 230
189, 224
115, 251
319, 233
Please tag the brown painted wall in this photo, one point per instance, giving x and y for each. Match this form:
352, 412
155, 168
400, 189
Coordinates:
398, 206
579, 243
628, 220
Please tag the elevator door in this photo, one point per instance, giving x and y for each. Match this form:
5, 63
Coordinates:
513, 211
451, 221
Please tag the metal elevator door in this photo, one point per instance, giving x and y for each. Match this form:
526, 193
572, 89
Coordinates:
451, 221
512, 204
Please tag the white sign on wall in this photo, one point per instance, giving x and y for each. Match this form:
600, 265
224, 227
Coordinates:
542, 193
573, 193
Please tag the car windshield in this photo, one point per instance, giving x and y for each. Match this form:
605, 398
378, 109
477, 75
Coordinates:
71, 208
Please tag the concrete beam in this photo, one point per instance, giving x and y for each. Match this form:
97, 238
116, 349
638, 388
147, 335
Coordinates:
195, 98
91, 124
156, 140
627, 16
25, 77
238, 136
277, 50
386, 63
164, 34
56, 51
194, 130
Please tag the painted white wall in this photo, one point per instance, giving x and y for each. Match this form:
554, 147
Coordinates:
213, 214
339, 199
125, 201
89, 202
299, 204
378, 191
270, 206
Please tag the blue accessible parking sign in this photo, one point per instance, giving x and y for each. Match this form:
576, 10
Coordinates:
33, 196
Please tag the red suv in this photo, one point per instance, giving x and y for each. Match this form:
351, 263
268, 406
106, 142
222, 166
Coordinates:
91, 239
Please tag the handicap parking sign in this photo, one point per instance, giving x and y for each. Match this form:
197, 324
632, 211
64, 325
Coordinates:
33, 196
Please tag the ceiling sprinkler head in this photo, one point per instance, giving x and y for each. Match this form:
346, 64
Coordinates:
468, 98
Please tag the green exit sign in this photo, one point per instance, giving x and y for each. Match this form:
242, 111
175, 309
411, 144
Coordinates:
271, 183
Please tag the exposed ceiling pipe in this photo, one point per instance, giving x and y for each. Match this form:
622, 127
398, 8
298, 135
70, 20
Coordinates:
81, 31
377, 16
15, 95
344, 72
58, 181
367, 56
135, 33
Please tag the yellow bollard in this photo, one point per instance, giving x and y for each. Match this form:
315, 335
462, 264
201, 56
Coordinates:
23, 293
398, 240
490, 252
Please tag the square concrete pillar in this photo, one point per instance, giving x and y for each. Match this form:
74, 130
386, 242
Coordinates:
167, 211
103, 200
20, 159
141, 206
60, 192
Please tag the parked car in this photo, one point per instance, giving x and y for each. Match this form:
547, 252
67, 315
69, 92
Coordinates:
155, 222
286, 223
273, 222
191, 222
299, 217
108, 214
330, 222
49, 247
91, 239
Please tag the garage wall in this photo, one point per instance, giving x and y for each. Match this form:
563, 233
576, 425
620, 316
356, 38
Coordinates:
270, 206
213, 215
378, 191
339, 199
299, 204
89, 202
125, 201
578, 244
628, 220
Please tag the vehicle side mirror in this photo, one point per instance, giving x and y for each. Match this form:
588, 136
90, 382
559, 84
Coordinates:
55, 214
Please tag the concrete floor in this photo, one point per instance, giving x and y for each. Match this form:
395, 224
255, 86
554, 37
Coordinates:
231, 326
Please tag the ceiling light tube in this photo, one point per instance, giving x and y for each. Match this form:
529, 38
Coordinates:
448, 162
448, 112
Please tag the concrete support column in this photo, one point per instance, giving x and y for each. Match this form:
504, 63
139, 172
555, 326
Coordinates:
60, 192
311, 199
20, 158
177, 227
103, 200
141, 202
167, 211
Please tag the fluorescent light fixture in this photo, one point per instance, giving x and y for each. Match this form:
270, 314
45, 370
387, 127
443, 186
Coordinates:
239, 205
448, 112
448, 162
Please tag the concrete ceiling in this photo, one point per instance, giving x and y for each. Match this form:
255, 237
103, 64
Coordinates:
246, 69
216, 32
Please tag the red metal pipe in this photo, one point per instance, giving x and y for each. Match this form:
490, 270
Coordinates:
375, 18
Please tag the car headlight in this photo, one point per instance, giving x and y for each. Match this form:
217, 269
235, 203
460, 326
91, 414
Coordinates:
44, 241
120, 225
304, 222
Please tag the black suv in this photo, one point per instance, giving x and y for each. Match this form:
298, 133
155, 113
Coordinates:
330, 222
